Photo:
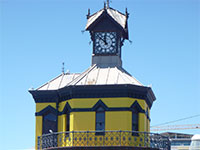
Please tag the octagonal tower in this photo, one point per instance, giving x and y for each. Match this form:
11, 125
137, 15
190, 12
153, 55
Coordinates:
102, 107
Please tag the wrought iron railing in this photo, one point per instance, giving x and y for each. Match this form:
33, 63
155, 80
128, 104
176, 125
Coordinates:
103, 138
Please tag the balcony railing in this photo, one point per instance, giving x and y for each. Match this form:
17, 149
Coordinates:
103, 139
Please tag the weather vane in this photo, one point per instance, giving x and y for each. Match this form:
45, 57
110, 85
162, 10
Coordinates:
63, 67
108, 3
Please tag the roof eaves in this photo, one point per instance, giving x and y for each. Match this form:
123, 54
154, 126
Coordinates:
49, 82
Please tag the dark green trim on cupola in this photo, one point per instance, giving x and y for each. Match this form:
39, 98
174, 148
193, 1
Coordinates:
94, 91
68, 109
100, 104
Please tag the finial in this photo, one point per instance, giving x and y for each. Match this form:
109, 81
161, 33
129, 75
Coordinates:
88, 15
63, 67
104, 5
108, 3
127, 14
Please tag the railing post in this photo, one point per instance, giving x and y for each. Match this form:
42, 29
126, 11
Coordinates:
72, 138
120, 136
169, 144
87, 137
104, 138
38, 145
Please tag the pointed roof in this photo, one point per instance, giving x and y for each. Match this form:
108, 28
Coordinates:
94, 75
97, 75
117, 17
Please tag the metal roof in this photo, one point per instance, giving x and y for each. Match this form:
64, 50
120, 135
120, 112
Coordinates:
120, 18
95, 75
59, 82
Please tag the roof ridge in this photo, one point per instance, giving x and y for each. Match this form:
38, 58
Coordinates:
119, 73
117, 11
61, 80
131, 76
82, 75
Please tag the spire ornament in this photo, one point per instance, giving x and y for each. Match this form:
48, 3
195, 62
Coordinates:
108, 3
63, 67
127, 14
88, 15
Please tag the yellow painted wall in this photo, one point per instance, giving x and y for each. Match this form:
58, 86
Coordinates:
142, 122
115, 120
41, 106
123, 102
110, 102
83, 103
82, 121
62, 123
38, 129
148, 126
62, 105
85, 121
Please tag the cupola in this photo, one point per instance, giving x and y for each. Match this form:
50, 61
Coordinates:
108, 29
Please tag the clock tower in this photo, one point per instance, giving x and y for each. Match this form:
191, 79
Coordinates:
108, 29
103, 107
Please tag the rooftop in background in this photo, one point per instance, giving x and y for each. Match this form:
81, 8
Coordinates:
179, 141
172, 135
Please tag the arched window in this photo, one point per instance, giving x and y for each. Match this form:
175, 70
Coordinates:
100, 119
49, 123
68, 121
135, 120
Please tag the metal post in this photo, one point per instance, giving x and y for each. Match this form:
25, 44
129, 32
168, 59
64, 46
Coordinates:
38, 142
87, 137
120, 132
104, 138
72, 138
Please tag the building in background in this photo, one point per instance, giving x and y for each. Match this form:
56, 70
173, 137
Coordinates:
102, 108
179, 141
195, 142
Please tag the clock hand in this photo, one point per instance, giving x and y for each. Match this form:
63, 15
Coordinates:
105, 39
100, 37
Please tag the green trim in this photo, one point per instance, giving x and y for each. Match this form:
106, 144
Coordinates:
68, 109
94, 91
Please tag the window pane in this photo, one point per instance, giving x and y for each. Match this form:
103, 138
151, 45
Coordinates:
134, 127
100, 126
50, 117
100, 109
135, 117
100, 120
68, 122
49, 123
100, 117
135, 121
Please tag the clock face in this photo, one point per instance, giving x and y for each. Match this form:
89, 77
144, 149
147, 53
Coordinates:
105, 43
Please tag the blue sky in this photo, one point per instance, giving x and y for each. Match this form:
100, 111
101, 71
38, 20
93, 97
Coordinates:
36, 36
